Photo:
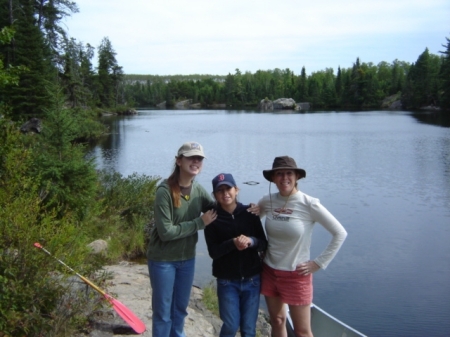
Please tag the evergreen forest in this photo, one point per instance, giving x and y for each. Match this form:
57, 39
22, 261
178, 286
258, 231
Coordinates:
52, 194
362, 86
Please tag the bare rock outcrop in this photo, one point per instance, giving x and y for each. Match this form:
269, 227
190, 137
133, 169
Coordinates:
183, 104
284, 103
130, 284
265, 105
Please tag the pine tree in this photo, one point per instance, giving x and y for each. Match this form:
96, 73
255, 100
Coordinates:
109, 74
68, 180
422, 82
445, 76
48, 14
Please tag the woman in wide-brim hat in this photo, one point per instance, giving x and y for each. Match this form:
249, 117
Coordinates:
287, 270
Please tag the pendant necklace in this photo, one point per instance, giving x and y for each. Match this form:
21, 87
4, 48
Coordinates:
185, 192
283, 209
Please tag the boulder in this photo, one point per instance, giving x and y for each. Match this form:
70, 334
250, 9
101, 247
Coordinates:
396, 105
98, 246
284, 103
183, 104
431, 107
265, 105
392, 102
161, 105
34, 125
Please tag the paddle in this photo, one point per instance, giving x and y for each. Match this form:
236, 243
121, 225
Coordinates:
128, 316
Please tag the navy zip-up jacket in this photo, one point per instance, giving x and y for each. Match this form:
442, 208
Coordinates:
228, 261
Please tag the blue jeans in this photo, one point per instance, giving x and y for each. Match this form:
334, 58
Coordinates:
239, 305
171, 284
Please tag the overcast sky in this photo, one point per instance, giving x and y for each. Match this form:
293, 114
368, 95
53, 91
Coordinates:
169, 37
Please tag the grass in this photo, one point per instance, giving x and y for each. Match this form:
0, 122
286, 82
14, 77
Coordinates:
210, 298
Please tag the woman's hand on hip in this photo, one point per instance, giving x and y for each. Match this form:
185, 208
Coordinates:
307, 268
209, 216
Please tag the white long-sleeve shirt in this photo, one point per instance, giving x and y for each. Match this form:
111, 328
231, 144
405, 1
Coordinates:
289, 229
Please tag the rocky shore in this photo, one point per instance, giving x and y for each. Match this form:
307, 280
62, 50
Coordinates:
130, 284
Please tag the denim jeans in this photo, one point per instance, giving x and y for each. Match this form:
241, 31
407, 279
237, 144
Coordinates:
239, 305
171, 290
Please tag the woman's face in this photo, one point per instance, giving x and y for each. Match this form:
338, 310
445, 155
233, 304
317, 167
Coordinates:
285, 181
226, 195
190, 165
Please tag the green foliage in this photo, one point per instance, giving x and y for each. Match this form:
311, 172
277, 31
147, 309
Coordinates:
422, 82
363, 86
127, 205
10, 75
41, 197
30, 298
28, 50
67, 180
445, 77
210, 298
109, 75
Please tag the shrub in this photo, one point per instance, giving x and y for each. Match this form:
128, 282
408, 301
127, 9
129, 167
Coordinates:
30, 296
127, 204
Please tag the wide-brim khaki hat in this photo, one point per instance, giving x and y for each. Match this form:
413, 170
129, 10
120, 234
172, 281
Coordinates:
284, 163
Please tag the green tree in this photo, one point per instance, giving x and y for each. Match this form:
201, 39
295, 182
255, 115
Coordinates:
68, 181
109, 74
445, 77
10, 75
28, 49
422, 82
339, 84
49, 14
30, 300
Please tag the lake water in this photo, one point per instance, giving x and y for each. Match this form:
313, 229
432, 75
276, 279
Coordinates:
384, 175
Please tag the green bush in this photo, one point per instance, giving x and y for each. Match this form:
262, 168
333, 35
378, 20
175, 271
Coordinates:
31, 295
127, 204
49, 193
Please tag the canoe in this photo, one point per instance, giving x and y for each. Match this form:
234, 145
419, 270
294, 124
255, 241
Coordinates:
324, 325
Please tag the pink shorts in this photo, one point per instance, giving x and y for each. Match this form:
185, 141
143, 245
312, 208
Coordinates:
292, 288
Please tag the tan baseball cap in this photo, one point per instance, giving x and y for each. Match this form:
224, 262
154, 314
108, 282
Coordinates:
190, 149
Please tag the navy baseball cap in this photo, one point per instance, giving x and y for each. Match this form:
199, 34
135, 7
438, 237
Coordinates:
223, 179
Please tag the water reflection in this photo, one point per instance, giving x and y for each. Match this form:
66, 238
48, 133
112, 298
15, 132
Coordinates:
439, 118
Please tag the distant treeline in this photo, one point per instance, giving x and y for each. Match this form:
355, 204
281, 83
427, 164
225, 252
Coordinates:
35, 51
364, 85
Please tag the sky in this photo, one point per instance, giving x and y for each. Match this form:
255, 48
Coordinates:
184, 37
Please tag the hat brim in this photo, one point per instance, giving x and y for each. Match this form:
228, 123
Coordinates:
194, 153
268, 173
223, 183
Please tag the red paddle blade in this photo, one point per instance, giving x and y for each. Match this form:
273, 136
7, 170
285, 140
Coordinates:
127, 315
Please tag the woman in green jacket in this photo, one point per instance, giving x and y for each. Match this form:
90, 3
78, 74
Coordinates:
182, 207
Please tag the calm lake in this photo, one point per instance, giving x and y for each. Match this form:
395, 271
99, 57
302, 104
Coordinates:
384, 175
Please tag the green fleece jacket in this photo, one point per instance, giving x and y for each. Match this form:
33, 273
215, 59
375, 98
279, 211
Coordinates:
174, 236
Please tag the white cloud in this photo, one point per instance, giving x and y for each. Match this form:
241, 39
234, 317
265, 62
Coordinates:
216, 37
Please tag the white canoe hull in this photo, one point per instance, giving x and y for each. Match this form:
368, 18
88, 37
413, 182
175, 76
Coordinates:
325, 325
